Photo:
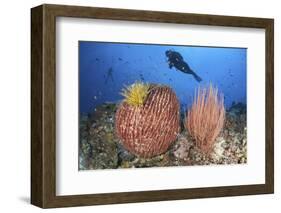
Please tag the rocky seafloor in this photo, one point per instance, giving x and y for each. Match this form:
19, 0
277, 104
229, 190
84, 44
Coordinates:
99, 148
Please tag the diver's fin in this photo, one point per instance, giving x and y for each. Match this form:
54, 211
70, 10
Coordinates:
197, 78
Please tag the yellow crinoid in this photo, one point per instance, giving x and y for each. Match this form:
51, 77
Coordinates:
136, 93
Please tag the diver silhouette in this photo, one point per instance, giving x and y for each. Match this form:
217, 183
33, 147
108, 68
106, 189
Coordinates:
176, 60
109, 75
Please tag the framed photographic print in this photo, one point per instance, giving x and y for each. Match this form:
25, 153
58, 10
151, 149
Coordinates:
136, 106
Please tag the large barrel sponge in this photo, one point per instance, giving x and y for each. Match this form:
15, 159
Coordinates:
148, 129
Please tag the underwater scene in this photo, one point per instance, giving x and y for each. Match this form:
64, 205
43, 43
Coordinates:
155, 105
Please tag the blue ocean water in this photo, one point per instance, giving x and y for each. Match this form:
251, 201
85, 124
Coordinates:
105, 68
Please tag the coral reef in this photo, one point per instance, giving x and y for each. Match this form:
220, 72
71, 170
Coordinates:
205, 119
149, 129
100, 148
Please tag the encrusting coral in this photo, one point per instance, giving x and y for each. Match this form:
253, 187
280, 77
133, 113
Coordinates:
148, 120
205, 119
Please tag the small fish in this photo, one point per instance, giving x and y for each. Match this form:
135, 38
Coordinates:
229, 72
120, 59
141, 77
176, 60
97, 59
95, 97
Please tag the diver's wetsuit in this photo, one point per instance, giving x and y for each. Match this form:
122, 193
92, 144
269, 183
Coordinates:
175, 59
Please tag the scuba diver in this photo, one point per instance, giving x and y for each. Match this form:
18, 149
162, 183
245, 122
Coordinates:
109, 75
176, 60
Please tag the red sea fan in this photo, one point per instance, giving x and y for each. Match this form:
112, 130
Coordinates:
148, 130
205, 119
